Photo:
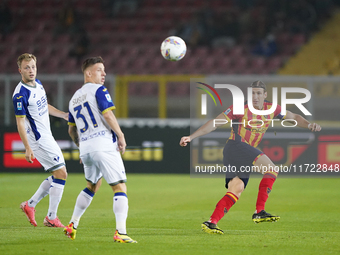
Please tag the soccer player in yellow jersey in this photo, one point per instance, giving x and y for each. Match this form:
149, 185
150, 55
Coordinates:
240, 150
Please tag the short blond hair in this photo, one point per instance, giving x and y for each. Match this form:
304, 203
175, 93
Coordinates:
27, 57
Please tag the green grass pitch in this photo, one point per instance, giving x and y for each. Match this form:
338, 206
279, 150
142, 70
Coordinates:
165, 215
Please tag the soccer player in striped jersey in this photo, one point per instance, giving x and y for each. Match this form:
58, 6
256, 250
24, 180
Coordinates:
32, 117
94, 129
240, 150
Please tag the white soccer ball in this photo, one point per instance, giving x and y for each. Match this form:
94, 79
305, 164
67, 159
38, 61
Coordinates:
173, 48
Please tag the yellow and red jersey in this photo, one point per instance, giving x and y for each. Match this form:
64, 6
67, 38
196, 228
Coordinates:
250, 128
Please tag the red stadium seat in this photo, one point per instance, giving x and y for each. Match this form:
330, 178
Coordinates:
138, 66
283, 38
201, 52
241, 63
237, 51
156, 65
63, 39
274, 64
257, 64
70, 65
299, 39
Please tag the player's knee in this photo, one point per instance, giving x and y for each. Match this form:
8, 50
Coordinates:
236, 186
60, 173
119, 187
94, 187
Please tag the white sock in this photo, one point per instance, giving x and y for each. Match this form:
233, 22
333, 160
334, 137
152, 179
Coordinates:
41, 192
56, 192
84, 200
120, 209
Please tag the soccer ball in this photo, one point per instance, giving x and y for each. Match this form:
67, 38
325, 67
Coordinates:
173, 48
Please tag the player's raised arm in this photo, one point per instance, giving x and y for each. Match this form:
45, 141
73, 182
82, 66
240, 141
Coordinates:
208, 127
57, 113
113, 123
302, 122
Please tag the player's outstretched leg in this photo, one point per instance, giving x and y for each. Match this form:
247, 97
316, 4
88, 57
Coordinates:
235, 186
263, 216
265, 188
84, 200
28, 206
30, 213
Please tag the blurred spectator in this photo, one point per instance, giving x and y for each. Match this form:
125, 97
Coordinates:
128, 6
6, 24
81, 47
324, 8
192, 32
303, 17
266, 47
227, 31
67, 20
206, 17
245, 4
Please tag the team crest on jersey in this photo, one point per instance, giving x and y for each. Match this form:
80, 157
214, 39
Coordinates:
19, 105
108, 97
227, 111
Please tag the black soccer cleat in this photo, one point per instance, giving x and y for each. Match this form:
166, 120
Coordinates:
211, 228
263, 216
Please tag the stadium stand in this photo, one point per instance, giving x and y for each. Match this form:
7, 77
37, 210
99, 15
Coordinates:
321, 56
129, 39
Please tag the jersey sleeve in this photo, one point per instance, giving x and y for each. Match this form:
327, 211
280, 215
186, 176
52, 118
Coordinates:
71, 121
277, 113
104, 100
38, 81
228, 114
20, 104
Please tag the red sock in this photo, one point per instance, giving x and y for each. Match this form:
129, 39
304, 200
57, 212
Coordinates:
223, 207
265, 188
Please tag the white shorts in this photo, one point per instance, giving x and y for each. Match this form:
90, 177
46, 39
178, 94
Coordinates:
48, 153
107, 164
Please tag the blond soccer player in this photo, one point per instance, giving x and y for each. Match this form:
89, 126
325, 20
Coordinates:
32, 117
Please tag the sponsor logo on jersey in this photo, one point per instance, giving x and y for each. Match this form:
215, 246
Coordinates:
108, 97
56, 158
19, 97
104, 89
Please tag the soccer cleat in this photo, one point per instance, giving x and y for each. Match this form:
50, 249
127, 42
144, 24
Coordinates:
29, 211
211, 228
120, 238
263, 216
70, 231
53, 223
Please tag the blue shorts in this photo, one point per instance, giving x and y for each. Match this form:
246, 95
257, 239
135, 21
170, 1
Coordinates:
238, 154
